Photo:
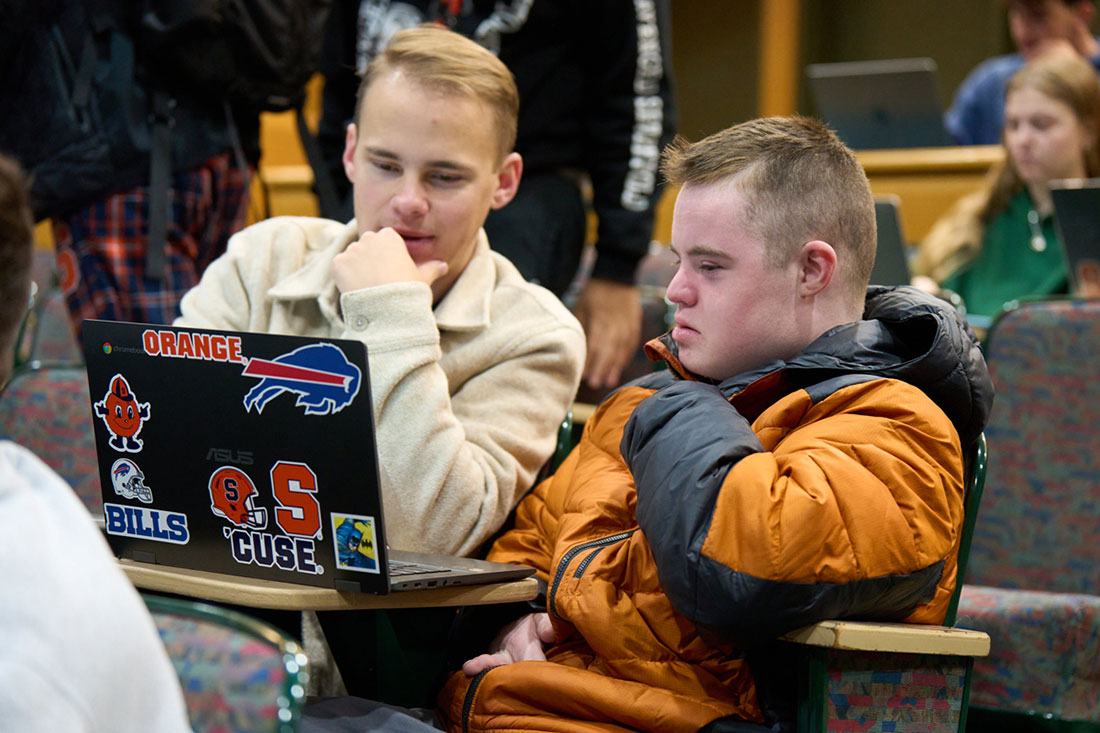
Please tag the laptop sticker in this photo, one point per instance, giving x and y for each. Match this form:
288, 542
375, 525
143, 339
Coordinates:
322, 377
145, 523
123, 415
354, 537
185, 345
129, 481
233, 496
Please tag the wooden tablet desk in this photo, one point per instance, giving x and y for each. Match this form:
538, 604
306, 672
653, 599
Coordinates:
272, 594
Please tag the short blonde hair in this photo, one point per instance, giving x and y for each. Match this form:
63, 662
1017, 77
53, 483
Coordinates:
441, 59
800, 183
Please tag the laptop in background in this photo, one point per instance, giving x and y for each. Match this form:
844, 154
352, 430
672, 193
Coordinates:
880, 104
892, 253
249, 454
1077, 217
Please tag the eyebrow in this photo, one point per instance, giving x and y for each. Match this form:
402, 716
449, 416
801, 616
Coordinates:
701, 251
436, 164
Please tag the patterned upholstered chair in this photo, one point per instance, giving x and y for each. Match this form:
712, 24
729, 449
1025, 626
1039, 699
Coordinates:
46, 332
45, 408
237, 673
906, 678
1034, 578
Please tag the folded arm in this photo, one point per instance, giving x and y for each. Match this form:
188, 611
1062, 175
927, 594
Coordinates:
852, 510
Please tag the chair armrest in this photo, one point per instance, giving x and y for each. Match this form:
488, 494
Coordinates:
892, 637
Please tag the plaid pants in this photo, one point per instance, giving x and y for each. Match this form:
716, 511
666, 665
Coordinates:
101, 249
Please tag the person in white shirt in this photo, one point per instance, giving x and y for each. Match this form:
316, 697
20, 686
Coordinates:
80, 651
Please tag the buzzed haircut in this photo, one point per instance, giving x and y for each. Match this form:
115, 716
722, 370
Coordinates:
800, 183
438, 58
16, 249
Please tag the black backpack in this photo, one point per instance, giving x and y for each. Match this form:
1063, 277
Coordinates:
257, 54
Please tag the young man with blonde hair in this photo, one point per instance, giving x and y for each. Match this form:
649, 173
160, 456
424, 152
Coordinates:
472, 368
800, 459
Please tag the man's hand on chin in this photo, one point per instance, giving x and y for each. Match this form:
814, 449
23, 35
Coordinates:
381, 258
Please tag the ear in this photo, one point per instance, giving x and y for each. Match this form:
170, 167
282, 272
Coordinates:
349, 152
817, 265
511, 170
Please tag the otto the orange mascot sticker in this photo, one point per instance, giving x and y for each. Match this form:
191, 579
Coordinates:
123, 415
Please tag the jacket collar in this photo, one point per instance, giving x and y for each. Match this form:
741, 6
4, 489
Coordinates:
905, 334
465, 307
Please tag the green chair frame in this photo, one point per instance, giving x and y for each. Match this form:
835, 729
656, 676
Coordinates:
287, 695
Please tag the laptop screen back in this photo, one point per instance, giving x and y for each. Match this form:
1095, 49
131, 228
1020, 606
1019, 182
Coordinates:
880, 104
892, 253
1077, 217
240, 453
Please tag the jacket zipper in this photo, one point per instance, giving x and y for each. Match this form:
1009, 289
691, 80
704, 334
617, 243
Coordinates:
468, 702
568, 557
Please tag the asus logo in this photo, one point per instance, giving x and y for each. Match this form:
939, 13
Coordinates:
227, 455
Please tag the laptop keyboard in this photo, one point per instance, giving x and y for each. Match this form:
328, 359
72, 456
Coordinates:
399, 568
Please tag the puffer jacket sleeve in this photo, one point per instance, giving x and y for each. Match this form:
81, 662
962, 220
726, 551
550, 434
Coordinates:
852, 512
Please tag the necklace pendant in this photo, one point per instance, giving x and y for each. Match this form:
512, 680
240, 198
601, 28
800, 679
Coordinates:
1038, 241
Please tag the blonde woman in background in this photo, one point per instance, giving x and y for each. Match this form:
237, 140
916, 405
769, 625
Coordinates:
999, 243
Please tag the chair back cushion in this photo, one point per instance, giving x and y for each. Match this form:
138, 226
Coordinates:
1039, 523
47, 411
236, 675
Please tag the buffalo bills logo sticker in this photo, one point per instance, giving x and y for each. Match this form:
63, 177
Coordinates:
322, 377
123, 415
129, 481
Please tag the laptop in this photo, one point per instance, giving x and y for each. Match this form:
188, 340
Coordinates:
249, 454
880, 104
892, 253
1077, 218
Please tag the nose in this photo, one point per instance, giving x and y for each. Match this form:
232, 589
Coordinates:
679, 290
1020, 137
410, 200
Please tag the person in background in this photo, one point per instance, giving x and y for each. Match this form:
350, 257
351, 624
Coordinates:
976, 116
1000, 243
84, 130
596, 106
81, 652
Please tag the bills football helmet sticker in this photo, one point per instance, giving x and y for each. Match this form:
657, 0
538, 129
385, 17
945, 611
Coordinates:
322, 377
123, 415
128, 481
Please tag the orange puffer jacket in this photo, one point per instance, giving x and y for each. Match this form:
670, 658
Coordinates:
696, 520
